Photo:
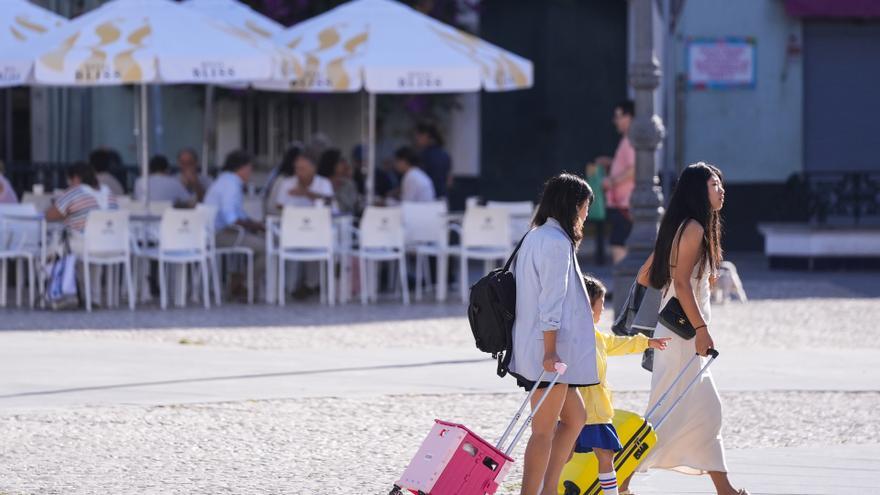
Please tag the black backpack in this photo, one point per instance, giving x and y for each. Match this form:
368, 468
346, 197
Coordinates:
491, 311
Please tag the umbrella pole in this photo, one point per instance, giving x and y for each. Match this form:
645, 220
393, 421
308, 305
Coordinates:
7, 125
144, 131
371, 147
208, 126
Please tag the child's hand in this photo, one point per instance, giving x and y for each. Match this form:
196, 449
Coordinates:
659, 344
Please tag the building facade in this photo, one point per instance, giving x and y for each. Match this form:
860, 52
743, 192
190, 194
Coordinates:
805, 114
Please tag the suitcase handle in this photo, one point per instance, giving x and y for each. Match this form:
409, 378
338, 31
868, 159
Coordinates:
713, 355
560, 370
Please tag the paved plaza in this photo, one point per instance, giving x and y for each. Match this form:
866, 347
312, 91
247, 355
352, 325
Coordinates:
310, 400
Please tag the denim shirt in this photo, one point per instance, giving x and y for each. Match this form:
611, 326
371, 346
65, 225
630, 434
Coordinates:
550, 295
227, 195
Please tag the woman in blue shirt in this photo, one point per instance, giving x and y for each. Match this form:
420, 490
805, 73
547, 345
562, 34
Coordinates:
554, 323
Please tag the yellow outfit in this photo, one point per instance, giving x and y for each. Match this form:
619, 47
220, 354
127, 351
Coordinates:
597, 398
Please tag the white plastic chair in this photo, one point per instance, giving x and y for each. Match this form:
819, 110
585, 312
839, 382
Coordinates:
146, 233
485, 235
41, 202
19, 242
218, 254
107, 242
471, 202
426, 233
124, 202
381, 238
521, 213
182, 240
307, 235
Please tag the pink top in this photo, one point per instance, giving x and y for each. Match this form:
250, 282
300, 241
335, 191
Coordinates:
7, 194
618, 195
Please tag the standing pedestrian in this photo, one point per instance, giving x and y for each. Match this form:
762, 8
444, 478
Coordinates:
595, 175
554, 323
686, 256
434, 159
620, 182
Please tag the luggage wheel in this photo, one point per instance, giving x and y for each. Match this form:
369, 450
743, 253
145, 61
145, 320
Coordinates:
571, 488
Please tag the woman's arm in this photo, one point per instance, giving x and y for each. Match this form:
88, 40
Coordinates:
550, 355
644, 276
682, 263
553, 266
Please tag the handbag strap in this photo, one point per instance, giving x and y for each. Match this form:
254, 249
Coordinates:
515, 250
580, 274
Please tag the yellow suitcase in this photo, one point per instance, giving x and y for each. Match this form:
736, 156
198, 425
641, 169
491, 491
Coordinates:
580, 476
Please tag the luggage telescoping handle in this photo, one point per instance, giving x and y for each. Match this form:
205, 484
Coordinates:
713, 354
560, 370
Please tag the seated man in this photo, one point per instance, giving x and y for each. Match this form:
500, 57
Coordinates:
162, 186
415, 186
194, 182
83, 195
226, 194
305, 187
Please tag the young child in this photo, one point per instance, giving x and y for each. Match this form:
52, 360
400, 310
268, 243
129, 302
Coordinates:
598, 435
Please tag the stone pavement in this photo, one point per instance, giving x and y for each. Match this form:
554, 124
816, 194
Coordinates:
55, 370
289, 400
802, 471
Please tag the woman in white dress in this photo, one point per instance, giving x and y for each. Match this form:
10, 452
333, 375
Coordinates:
687, 254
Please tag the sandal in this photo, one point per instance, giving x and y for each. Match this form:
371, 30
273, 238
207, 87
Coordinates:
742, 491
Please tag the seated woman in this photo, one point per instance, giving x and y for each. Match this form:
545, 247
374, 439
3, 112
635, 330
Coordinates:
334, 167
7, 194
283, 171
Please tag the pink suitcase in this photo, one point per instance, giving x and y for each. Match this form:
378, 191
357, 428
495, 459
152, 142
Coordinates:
453, 460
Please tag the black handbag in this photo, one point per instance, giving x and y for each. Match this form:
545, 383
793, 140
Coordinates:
639, 315
648, 355
673, 318
623, 323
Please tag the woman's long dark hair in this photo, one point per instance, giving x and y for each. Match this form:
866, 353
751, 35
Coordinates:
690, 200
285, 168
328, 161
563, 195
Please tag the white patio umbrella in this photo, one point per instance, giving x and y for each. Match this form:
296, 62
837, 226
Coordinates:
383, 46
242, 17
239, 15
146, 42
22, 25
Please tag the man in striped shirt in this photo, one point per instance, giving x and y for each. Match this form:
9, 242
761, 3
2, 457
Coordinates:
84, 195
